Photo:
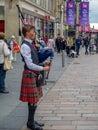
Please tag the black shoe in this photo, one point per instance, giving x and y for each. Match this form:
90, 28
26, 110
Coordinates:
5, 91
39, 124
34, 127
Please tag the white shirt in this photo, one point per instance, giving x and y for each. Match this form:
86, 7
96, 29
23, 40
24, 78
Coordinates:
26, 53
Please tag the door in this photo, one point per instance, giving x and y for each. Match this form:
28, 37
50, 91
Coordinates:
1, 25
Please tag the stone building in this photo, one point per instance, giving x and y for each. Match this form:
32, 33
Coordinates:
40, 13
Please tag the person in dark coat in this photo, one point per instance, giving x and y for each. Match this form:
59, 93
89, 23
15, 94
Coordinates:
63, 43
78, 43
97, 45
31, 90
58, 43
86, 44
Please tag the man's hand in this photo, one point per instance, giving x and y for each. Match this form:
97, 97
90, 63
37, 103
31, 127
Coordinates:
46, 68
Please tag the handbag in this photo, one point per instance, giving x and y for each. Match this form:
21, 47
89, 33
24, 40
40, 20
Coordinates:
7, 64
16, 47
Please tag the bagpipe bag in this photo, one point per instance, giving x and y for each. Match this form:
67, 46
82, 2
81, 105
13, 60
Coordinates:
44, 54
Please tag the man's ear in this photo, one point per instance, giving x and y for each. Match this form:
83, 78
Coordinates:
27, 34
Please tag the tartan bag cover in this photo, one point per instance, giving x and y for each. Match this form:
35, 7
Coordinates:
30, 92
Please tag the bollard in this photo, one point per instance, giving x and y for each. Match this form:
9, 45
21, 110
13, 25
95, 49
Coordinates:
63, 58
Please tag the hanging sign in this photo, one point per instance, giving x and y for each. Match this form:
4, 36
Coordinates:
70, 13
84, 13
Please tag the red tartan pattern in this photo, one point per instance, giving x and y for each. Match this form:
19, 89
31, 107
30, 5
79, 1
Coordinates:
29, 91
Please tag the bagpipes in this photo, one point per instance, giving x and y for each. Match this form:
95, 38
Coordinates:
20, 14
43, 55
50, 65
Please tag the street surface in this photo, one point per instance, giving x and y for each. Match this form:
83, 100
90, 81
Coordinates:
70, 100
13, 113
72, 103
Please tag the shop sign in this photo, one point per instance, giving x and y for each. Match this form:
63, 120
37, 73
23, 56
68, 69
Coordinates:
47, 17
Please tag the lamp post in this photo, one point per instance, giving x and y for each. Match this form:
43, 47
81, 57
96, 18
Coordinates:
77, 20
62, 12
77, 17
62, 15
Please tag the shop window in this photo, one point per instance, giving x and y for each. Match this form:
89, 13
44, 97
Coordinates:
1, 13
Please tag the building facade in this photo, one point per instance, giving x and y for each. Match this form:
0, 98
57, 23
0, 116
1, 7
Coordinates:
40, 13
58, 17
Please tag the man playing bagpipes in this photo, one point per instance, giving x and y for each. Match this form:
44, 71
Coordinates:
31, 89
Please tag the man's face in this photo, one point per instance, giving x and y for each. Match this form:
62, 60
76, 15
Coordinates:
31, 34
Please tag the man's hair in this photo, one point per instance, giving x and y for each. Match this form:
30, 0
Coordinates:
26, 28
2, 35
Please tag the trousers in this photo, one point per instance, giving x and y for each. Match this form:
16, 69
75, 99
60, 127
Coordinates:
2, 77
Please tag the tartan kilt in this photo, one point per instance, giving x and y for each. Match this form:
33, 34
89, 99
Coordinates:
30, 92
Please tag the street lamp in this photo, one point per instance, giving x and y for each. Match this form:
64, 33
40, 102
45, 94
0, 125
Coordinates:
62, 15
62, 12
77, 17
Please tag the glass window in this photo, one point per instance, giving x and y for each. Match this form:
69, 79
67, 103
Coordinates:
46, 4
1, 13
42, 3
50, 5
38, 2
34, 1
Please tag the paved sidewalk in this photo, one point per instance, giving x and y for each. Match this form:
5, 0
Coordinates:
72, 103
13, 113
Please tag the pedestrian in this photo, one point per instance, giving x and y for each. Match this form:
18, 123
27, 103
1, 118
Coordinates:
51, 43
13, 43
63, 43
96, 45
78, 44
91, 45
44, 39
69, 45
42, 42
57, 43
4, 51
86, 44
31, 90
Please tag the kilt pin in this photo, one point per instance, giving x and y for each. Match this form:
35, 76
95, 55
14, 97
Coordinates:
30, 92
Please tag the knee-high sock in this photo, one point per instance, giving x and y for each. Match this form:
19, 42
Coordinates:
31, 113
